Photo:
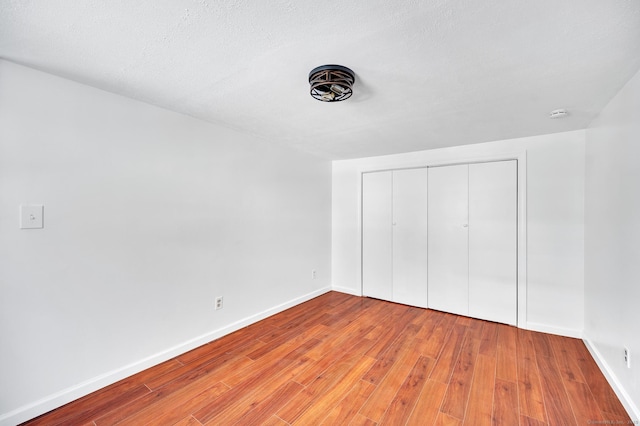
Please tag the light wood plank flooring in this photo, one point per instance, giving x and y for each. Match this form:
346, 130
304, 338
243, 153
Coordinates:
345, 360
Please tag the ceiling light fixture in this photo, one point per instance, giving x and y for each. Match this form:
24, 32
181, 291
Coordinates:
331, 83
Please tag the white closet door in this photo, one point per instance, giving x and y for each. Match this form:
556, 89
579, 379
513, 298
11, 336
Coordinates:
448, 239
377, 279
410, 237
492, 241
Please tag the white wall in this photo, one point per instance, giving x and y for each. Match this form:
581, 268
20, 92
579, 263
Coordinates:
612, 241
149, 215
554, 221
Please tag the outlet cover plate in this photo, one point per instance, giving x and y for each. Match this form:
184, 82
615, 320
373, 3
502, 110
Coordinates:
627, 357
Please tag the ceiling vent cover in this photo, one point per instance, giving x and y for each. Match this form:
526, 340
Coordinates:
331, 83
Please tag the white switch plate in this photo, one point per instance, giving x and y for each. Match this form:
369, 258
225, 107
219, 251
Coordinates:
31, 216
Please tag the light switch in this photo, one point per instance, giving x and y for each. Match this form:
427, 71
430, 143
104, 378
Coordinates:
31, 216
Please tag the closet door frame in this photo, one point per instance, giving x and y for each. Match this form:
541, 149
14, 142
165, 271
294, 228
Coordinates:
446, 159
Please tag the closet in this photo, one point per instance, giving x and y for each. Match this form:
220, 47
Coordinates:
394, 237
472, 236
443, 237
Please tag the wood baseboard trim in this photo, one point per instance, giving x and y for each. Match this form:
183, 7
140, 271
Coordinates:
72, 393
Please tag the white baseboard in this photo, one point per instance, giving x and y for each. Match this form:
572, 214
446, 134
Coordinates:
65, 396
623, 396
543, 328
346, 290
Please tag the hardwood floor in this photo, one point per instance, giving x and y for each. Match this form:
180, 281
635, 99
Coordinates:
345, 360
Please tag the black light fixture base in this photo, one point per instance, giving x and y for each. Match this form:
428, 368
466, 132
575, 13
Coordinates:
331, 83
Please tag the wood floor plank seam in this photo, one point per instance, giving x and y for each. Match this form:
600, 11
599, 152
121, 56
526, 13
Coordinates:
503, 330
544, 403
243, 390
457, 349
525, 349
566, 390
398, 412
476, 372
349, 406
461, 379
517, 374
445, 339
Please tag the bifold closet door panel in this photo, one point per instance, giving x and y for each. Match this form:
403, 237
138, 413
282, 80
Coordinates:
492, 241
410, 237
377, 237
448, 239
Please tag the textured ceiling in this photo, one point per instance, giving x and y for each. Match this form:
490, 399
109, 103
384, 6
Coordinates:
429, 74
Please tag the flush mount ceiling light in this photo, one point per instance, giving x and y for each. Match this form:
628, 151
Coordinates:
331, 83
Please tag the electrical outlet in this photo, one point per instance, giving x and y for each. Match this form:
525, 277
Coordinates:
627, 357
219, 301
313, 274
31, 216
